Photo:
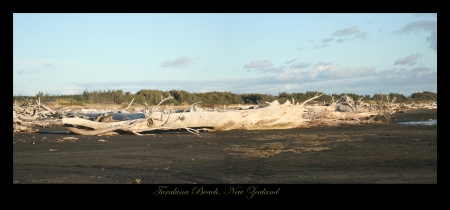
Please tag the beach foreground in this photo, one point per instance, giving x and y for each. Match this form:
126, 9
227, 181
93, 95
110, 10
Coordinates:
382, 153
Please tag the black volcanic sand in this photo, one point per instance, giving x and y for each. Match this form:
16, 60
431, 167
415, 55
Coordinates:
382, 153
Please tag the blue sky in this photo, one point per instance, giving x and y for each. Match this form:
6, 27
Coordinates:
67, 53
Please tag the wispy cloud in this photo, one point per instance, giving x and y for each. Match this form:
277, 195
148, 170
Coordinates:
326, 72
290, 75
327, 40
419, 25
423, 25
300, 65
258, 64
47, 65
421, 69
411, 60
350, 31
320, 46
345, 35
179, 62
264, 66
271, 70
361, 35
346, 31
322, 64
291, 61
21, 72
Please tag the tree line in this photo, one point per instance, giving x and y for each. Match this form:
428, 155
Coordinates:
209, 99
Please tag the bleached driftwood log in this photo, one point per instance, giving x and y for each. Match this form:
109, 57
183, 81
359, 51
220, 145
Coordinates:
271, 117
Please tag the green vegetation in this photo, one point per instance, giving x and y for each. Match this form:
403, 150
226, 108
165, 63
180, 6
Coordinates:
425, 96
208, 99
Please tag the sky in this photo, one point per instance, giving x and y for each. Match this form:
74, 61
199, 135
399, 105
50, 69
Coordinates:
268, 53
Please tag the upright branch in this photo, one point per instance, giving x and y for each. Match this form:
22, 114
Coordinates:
129, 105
393, 100
146, 110
149, 111
316, 96
169, 97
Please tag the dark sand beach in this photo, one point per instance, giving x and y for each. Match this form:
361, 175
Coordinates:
376, 154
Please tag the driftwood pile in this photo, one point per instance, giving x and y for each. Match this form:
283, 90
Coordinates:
34, 113
196, 119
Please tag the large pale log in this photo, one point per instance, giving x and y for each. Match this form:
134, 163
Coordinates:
272, 117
